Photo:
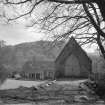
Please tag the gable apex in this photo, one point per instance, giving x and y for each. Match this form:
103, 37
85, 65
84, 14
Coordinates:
67, 49
71, 47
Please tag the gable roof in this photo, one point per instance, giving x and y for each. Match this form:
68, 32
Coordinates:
72, 47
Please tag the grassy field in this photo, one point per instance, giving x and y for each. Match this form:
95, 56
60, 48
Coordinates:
59, 93
12, 84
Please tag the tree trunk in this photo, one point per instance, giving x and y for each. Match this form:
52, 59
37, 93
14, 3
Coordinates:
101, 5
102, 49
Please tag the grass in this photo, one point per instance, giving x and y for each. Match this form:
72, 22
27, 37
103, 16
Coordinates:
60, 93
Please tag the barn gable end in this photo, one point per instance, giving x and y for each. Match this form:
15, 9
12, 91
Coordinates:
73, 51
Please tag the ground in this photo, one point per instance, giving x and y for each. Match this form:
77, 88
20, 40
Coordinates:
12, 84
16, 92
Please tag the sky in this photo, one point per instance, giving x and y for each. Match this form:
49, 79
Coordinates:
15, 34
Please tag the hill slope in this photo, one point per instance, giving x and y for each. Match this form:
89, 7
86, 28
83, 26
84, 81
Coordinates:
14, 57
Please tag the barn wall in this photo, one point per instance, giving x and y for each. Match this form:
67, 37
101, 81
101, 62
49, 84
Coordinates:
59, 70
72, 67
84, 71
98, 65
85, 61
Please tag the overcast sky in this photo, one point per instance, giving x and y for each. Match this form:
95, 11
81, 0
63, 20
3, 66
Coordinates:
15, 34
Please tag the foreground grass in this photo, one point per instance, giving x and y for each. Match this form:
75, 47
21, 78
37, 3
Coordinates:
59, 93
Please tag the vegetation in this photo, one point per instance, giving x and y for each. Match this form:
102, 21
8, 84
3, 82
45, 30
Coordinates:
3, 71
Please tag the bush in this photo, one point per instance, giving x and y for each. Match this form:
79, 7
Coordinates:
3, 74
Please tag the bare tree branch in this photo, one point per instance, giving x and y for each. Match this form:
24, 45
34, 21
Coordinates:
27, 13
93, 21
17, 3
72, 1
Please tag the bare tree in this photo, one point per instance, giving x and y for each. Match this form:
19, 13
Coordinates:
3, 70
84, 19
2, 43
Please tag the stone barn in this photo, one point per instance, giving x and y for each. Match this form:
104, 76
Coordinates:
72, 61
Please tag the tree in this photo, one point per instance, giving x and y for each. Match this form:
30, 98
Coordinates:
3, 74
2, 43
3, 71
82, 18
